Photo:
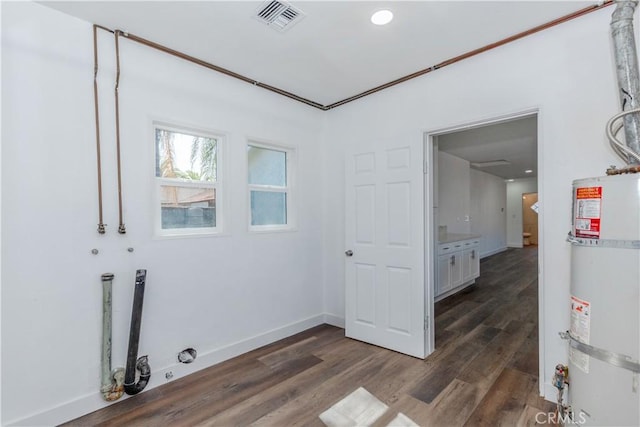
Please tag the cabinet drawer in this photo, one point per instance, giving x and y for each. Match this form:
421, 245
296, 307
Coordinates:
473, 243
446, 248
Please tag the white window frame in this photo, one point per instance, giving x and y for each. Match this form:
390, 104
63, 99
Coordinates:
217, 185
289, 189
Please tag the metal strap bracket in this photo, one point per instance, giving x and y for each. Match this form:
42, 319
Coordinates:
615, 359
603, 243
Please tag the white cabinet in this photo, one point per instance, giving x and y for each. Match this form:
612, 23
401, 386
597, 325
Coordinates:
443, 281
458, 265
470, 261
449, 267
456, 269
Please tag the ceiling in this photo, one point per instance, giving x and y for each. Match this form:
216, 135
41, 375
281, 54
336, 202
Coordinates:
515, 141
334, 52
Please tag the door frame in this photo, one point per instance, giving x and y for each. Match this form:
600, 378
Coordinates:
430, 137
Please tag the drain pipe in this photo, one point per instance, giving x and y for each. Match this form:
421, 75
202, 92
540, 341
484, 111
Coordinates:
627, 71
142, 364
112, 386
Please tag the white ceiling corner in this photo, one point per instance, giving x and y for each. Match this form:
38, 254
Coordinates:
335, 52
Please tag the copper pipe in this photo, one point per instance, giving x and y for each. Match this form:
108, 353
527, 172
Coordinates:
628, 169
121, 227
101, 226
474, 52
213, 67
103, 28
419, 73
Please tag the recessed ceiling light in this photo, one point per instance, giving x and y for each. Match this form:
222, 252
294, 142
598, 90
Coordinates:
382, 17
528, 171
511, 180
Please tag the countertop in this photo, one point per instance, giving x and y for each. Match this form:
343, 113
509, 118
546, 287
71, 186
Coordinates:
456, 237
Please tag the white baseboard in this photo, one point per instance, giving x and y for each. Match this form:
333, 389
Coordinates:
493, 252
514, 245
334, 320
91, 402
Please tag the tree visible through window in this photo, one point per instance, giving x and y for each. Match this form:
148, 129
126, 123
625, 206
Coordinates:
187, 177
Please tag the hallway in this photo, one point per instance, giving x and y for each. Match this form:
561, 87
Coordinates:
491, 331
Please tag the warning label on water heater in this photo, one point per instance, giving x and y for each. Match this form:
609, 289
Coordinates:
587, 211
580, 329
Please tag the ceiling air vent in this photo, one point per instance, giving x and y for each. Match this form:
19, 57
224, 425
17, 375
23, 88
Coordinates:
279, 15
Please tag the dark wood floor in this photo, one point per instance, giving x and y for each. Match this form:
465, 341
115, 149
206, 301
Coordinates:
484, 371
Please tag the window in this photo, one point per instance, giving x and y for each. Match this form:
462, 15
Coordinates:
270, 195
187, 177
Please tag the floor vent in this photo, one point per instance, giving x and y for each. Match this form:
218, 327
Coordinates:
279, 15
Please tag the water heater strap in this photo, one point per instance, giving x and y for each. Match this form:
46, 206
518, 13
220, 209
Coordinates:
603, 243
615, 359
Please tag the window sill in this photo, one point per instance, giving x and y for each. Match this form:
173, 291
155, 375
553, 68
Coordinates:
164, 235
263, 229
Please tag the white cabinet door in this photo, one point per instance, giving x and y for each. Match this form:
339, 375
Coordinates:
475, 263
466, 264
457, 264
456, 269
470, 264
444, 274
384, 228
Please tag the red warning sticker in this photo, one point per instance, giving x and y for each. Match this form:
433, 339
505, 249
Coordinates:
587, 210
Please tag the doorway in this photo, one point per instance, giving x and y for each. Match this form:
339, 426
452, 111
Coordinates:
469, 143
530, 219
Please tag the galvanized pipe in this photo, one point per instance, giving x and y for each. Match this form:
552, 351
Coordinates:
112, 384
627, 71
142, 365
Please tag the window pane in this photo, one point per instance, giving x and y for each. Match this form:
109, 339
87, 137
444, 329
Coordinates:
187, 207
181, 155
268, 208
267, 167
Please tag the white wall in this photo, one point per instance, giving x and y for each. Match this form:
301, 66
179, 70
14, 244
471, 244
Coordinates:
488, 214
515, 190
200, 291
453, 193
471, 201
567, 72
220, 295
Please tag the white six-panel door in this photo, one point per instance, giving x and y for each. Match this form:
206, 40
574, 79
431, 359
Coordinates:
385, 292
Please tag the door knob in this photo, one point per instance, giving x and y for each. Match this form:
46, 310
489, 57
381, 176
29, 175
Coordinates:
349, 253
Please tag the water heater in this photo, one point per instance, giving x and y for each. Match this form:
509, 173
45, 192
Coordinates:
604, 333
